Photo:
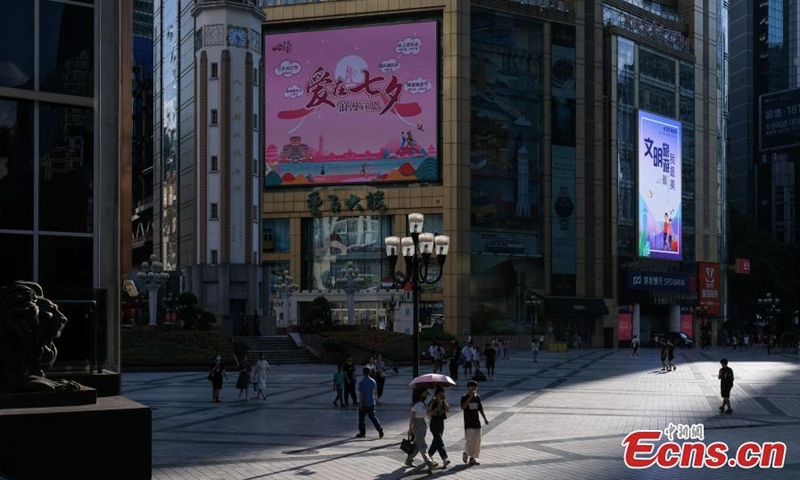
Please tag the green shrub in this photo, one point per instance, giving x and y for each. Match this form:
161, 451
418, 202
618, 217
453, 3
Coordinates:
151, 347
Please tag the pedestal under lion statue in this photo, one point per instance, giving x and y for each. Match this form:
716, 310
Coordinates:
29, 325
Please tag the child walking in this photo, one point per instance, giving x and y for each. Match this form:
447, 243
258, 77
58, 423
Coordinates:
725, 376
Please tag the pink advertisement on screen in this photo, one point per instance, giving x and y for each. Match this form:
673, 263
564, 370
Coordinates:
351, 105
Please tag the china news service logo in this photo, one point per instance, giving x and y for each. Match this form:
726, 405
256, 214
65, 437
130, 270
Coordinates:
685, 448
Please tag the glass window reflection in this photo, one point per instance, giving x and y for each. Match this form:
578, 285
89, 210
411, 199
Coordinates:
16, 164
66, 53
16, 44
332, 242
16, 257
66, 170
65, 261
275, 234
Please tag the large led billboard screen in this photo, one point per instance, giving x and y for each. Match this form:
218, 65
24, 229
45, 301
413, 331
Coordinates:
659, 163
780, 119
352, 105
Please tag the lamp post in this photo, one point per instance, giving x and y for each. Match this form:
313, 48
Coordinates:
772, 308
153, 275
286, 286
417, 251
392, 305
533, 303
351, 281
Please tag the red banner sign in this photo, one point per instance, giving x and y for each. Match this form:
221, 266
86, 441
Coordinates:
708, 286
625, 326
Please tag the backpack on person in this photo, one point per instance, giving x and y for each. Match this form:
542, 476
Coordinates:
479, 376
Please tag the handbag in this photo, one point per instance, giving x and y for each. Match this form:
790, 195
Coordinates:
408, 445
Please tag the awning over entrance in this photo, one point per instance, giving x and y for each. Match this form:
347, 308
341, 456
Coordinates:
575, 307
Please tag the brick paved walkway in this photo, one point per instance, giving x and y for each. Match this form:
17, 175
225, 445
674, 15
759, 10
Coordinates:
564, 417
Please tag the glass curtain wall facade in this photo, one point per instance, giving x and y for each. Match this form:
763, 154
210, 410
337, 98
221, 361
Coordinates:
506, 164
59, 87
173, 145
47, 151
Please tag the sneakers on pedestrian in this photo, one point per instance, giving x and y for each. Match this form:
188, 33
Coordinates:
472, 461
361, 435
409, 465
380, 433
729, 411
465, 457
445, 463
722, 408
433, 465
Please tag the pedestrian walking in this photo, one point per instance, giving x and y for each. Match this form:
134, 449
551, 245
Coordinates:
489, 356
243, 382
366, 404
349, 381
506, 348
217, 375
535, 350
746, 340
380, 375
663, 355
635, 346
262, 366
338, 386
466, 356
670, 355
418, 429
454, 357
725, 376
471, 406
437, 411
256, 323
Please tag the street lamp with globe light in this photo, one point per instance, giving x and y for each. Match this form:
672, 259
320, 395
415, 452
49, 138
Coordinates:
285, 286
351, 281
153, 275
417, 251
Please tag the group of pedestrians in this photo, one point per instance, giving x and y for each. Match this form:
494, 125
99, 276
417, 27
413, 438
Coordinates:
248, 375
437, 410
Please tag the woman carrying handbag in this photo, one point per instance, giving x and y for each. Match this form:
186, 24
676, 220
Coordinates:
418, 428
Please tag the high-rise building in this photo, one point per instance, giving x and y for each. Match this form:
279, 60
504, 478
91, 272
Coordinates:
142, 191
765, 81
206, 150
572, 150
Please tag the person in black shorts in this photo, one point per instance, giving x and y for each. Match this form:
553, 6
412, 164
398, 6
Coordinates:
490, 354
725, 376
663, 355
670, 355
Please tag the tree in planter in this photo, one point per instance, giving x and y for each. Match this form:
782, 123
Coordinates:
193, 316
318, 317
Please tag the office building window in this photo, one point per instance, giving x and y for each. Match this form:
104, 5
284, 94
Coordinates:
255, 76
213, 259
214, 71
255, 166
214, 116
214, 212
255, 121
255, 213
214, 163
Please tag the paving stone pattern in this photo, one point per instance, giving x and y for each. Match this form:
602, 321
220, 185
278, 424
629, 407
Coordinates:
563, 417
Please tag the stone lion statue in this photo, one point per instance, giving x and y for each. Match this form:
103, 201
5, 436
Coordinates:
29, 323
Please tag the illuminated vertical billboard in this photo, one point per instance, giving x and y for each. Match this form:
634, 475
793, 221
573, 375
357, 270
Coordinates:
659, 163
352, 105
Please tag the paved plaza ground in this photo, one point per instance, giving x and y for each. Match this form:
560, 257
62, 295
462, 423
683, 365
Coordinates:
563, 417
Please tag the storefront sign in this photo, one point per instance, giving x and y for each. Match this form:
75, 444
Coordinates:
658, 281
708, 283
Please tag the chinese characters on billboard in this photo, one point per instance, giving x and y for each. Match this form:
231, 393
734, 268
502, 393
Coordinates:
659, 161
352, 105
